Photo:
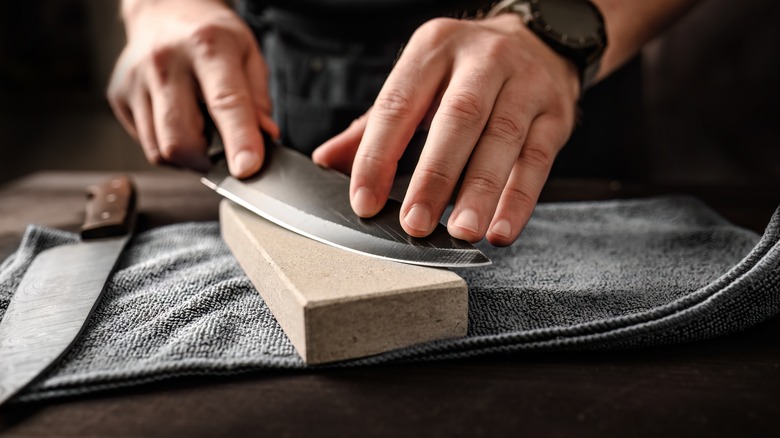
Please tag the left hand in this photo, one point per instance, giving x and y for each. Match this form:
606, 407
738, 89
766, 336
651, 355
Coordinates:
501, 104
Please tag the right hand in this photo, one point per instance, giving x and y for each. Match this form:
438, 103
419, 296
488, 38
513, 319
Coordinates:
180, 51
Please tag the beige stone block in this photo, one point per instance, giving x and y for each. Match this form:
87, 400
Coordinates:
334, 304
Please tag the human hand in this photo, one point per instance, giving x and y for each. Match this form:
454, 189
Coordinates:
500, 104
179, 51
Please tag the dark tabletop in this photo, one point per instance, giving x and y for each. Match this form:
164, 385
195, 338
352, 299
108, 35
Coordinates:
728, 386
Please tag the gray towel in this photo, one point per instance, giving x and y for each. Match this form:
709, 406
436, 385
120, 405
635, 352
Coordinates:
594, 275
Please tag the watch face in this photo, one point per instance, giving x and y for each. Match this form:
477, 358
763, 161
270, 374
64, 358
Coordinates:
573, 22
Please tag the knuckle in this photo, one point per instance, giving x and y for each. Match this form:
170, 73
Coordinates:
537, 156
175, 149
207, 38
483, 182
434, 31
161, 56
152, 154
394, 105
178, 138
436, 175
504, 127
171, 148
227, 99
170, 116
465, 107
499, 48
155, 159
537, 74
159, 61
373, 162
519, 197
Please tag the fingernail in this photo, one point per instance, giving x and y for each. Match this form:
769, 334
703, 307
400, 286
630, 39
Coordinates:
502, 228
418, 218
245, 163
467, 219
316, 156
364, 202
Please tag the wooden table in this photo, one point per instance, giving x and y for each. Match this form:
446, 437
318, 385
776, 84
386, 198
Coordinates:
723, 387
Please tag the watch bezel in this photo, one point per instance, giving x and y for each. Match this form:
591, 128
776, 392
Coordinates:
595, 40
585, 52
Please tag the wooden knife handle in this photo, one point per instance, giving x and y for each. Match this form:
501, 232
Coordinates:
110, 209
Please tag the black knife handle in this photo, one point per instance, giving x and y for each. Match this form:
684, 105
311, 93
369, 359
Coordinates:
215, 148
110, 209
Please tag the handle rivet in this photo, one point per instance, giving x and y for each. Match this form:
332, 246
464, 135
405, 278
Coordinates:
111, 197
105, 215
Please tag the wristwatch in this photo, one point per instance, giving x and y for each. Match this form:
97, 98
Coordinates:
572, 28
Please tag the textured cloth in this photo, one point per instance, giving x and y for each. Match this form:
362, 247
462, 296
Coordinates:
617, 274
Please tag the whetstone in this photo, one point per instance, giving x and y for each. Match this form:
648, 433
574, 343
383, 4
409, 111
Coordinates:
334, 304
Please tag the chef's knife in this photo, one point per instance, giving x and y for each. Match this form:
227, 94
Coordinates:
62, 286
293, 192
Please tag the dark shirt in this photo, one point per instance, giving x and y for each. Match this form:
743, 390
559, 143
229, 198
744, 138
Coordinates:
355, 19
379, 10
329, 58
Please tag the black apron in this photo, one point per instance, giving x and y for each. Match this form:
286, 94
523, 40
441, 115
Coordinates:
325, 71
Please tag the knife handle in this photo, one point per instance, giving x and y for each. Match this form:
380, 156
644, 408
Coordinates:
215, 147
110, 209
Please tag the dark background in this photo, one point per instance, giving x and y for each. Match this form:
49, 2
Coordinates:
708, 113
705, 112
56, 58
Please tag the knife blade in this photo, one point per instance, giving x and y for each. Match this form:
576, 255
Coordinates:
62, 287
293, 192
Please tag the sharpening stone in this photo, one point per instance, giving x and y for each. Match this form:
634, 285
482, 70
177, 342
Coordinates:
334, 304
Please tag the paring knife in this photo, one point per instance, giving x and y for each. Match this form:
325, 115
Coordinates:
62, 286
293, 192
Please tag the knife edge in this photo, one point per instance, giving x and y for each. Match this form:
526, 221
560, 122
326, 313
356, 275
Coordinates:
340, 236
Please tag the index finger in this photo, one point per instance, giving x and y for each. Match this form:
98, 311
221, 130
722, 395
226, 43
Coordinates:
229, 100
398, 109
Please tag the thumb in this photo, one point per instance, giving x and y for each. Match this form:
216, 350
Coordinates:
339, 152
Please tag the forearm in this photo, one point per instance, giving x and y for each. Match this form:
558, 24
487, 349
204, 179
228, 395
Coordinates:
630, 24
